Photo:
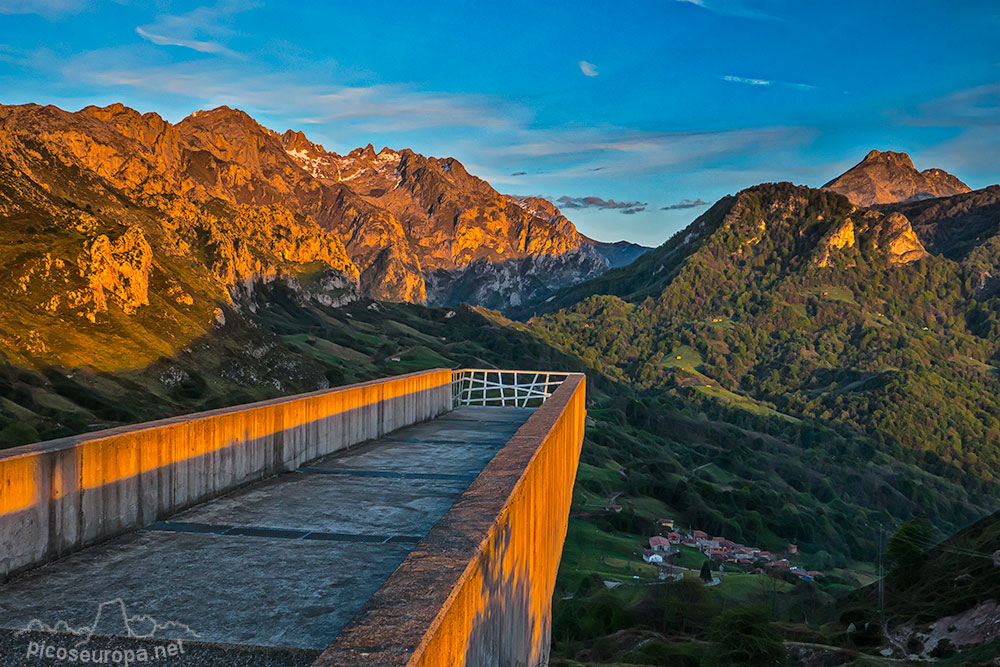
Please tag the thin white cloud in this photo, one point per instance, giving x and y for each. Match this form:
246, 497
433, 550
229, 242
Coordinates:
973, 114
197, 45
201, 29
749, 82
975, 106
588, 69
47, 8
730, 8
376, 108
573, 153
767, 82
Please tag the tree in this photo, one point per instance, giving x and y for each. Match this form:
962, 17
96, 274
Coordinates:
746, 636
906, 547
687, 606
706, 571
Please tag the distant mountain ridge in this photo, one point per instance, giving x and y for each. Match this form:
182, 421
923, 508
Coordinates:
111, 214
472, 243
888, 177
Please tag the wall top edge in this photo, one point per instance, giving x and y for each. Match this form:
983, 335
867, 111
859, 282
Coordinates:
69, 442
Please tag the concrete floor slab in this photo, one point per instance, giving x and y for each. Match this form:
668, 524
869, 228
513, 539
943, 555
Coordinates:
232, 589
270, 586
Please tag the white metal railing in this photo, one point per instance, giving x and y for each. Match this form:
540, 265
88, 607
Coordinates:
502, 388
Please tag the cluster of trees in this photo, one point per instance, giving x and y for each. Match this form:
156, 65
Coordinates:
709, 633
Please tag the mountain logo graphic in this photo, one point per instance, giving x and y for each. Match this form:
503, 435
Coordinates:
112, 619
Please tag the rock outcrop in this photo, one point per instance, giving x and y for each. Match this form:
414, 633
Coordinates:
119, 268
889, 177
956, 226
888, 234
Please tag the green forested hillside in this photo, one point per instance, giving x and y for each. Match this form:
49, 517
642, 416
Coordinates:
835, 377
899, 357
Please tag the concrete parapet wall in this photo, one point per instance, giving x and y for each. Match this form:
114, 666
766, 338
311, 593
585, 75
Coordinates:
62, 495
478, 589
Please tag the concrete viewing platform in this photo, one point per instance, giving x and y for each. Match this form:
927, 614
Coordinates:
286, 561
416, 520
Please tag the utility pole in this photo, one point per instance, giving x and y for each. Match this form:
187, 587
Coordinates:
881, 579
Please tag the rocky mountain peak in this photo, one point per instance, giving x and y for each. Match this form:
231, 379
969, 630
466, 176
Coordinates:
230, 131
366, 153
295, 140
887, 177
537, 206
111, 112
221, 112
889, 157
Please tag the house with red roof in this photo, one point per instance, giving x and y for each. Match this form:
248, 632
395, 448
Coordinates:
657, 543
699, 535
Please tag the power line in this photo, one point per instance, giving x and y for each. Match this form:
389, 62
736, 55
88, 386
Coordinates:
959, 551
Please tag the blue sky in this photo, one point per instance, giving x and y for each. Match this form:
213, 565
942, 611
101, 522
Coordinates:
631, 113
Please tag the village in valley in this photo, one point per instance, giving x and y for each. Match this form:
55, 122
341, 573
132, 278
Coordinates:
665, 550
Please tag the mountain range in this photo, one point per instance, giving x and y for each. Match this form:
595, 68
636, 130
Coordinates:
110, 213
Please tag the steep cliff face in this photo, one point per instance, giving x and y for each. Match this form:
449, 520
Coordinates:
888, 177
119, 268
450, 229
889, 235
959, 225
122, 235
